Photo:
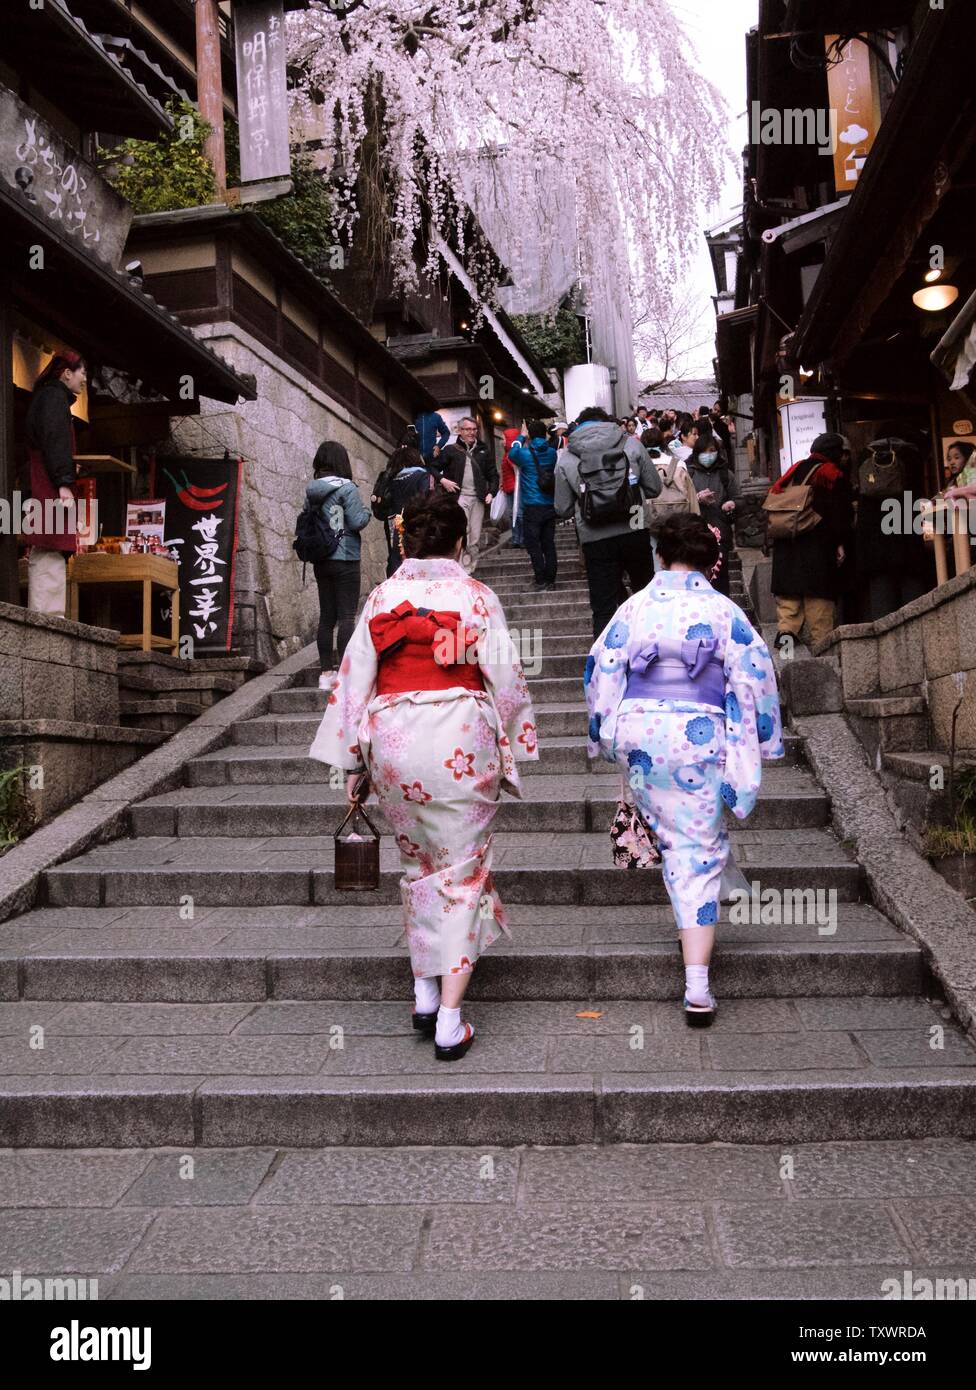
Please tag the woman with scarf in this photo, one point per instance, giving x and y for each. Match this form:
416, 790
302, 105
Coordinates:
432, 702
682, 696
807, 573
718, 491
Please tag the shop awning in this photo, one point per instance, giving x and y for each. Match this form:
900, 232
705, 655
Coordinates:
73, 69
955, 355
107, 317
896, 194
734, 338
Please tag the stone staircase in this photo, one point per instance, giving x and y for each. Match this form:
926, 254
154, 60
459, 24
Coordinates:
202, 982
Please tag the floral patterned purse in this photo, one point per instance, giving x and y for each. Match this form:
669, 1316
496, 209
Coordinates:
635, 846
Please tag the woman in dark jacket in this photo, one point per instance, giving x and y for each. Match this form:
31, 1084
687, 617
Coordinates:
806, 573
50, 438
718, 491
338, 577
406, 476
891, 562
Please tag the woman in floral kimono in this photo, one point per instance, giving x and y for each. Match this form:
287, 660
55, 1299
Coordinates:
431, 700
681, 693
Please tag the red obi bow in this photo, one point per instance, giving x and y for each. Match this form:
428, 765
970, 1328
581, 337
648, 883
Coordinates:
423, 627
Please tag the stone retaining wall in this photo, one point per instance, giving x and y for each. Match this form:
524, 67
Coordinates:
930, 645
59, 707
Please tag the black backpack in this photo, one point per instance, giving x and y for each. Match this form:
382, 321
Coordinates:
381, 507
606, 492
545, 473
316, 539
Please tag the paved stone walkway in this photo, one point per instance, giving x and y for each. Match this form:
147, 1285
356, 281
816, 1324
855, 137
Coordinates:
586, 1222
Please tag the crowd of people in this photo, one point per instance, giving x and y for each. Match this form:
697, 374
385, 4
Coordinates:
427, 696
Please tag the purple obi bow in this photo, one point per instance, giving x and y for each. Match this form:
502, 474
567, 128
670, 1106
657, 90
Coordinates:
670, 668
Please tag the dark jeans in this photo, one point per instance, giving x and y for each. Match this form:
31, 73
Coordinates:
338, 582
606, 563
539, 538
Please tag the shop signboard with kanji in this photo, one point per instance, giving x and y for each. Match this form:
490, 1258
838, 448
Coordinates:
201, 498
853, 91
262, 94
52, 184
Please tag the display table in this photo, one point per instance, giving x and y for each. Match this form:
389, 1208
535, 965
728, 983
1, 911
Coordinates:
146, 570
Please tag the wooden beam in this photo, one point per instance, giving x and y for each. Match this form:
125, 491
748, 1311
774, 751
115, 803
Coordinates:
210, 88
9, 582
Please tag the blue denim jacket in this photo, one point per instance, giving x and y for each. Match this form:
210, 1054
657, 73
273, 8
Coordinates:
332, 491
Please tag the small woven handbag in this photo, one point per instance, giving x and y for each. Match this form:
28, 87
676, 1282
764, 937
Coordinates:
635, 846
357, 848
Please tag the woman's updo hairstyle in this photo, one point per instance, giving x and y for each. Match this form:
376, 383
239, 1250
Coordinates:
685, 539
433, 525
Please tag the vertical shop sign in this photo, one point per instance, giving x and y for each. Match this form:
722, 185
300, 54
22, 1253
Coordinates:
853, 93
262, 94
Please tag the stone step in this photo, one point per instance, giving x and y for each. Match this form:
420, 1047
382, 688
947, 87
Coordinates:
789, 797
309, 699
919, 766
767, 1071
248, 952
168, 715
535, 617
553, 720
890, 724
257, 763
564, 592
555, 868
203, 685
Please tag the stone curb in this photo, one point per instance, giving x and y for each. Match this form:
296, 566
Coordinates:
102, 814
904, 885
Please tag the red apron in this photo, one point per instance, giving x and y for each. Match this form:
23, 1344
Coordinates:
43, 491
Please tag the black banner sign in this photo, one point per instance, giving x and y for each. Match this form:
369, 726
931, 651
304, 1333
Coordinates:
201, 525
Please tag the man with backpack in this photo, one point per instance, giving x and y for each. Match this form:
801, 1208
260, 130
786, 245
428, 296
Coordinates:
535, 458
809, 521
604, 476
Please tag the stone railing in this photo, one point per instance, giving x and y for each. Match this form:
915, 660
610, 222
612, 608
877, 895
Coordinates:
928, 646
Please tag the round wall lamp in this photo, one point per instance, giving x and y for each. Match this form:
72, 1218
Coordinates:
935, 297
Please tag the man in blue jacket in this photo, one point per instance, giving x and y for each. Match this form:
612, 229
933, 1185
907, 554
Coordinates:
535, 459
432, 434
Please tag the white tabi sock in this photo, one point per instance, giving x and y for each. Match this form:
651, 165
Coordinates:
427, 994
450, 1029
696, 985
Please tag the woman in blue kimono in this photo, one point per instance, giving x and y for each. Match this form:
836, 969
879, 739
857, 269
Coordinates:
682, 694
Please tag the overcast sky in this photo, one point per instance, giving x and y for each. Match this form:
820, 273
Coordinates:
717, 29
